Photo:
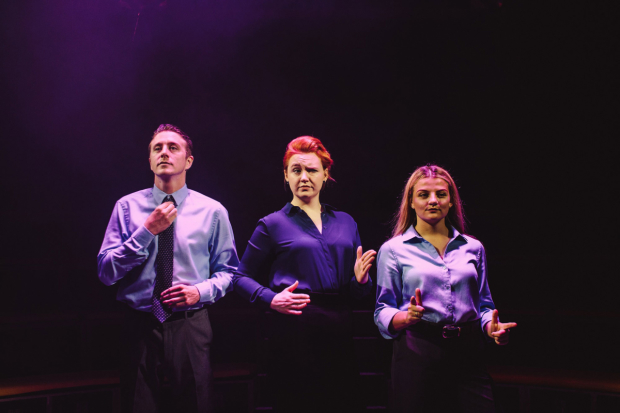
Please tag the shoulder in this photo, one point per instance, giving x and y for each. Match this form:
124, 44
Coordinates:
137, 196
473, 241
136, 199
204, 201
275, 218
390, 245
344, 217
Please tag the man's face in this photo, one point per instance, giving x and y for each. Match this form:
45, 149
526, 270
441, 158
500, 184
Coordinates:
168, 155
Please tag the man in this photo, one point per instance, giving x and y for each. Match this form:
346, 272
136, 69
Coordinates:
171, 251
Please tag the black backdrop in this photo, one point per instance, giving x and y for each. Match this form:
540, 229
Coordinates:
518, 102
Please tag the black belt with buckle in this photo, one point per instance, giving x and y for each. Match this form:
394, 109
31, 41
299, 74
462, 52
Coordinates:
451, 331
447, 331
179, 315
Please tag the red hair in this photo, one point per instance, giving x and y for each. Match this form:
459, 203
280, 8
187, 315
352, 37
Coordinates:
308, 144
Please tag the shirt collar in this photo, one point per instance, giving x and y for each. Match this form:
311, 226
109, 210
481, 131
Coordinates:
179, 196
290, 209
411, 233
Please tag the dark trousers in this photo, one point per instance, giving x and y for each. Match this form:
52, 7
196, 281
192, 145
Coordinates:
435, 374
170, 357
312, 364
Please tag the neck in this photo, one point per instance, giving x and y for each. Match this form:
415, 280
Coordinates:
425, 228
312, 204
170, 184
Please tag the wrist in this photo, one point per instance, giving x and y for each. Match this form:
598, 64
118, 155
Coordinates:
400, 320
150, 227
486, 328
363, 279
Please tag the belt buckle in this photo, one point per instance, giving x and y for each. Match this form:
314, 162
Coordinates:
451, 331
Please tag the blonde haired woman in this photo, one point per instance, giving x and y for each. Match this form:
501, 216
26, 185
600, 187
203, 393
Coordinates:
433, 300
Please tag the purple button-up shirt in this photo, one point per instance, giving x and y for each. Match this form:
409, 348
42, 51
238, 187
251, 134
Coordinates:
286, 247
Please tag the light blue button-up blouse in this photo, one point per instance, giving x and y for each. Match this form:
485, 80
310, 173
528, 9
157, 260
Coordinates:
454, 289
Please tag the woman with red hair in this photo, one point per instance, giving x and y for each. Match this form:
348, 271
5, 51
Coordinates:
433, 300
310, 258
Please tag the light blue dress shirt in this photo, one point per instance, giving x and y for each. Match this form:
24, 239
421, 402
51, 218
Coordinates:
454, 289
204, 247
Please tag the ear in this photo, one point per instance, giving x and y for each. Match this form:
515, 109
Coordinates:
450, 204
286, 175
326, 175
188, 162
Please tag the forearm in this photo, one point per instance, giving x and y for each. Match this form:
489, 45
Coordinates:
215, 287
114, 262
400, 321
252, 290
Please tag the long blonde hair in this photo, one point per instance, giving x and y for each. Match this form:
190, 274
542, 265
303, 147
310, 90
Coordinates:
407, 217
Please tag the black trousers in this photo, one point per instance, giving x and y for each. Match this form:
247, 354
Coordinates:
435, 374
312, 359
173, 355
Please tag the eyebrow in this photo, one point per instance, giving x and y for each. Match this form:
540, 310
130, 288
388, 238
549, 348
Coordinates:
169, 143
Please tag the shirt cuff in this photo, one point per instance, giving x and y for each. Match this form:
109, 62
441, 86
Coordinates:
143, 236
266, 296
360, 290
486, 317
205, 291
384, 319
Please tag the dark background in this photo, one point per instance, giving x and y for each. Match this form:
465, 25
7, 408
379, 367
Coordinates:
518, 102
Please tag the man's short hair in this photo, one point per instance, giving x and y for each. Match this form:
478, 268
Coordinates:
189, 146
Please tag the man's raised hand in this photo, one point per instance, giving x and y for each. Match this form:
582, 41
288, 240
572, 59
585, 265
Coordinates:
161, 218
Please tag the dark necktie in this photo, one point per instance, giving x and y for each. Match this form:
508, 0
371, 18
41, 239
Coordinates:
164, 263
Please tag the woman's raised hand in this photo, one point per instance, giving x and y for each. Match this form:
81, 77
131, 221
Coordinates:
499, 332
415, 311
286, 302
413, 315
363, 264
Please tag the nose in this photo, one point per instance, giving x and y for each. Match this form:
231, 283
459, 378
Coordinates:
432, 199
304, 176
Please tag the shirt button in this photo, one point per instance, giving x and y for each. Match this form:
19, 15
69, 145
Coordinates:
447, 286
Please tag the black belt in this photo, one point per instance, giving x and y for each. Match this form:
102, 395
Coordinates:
446, 331
326, 298
180, 315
